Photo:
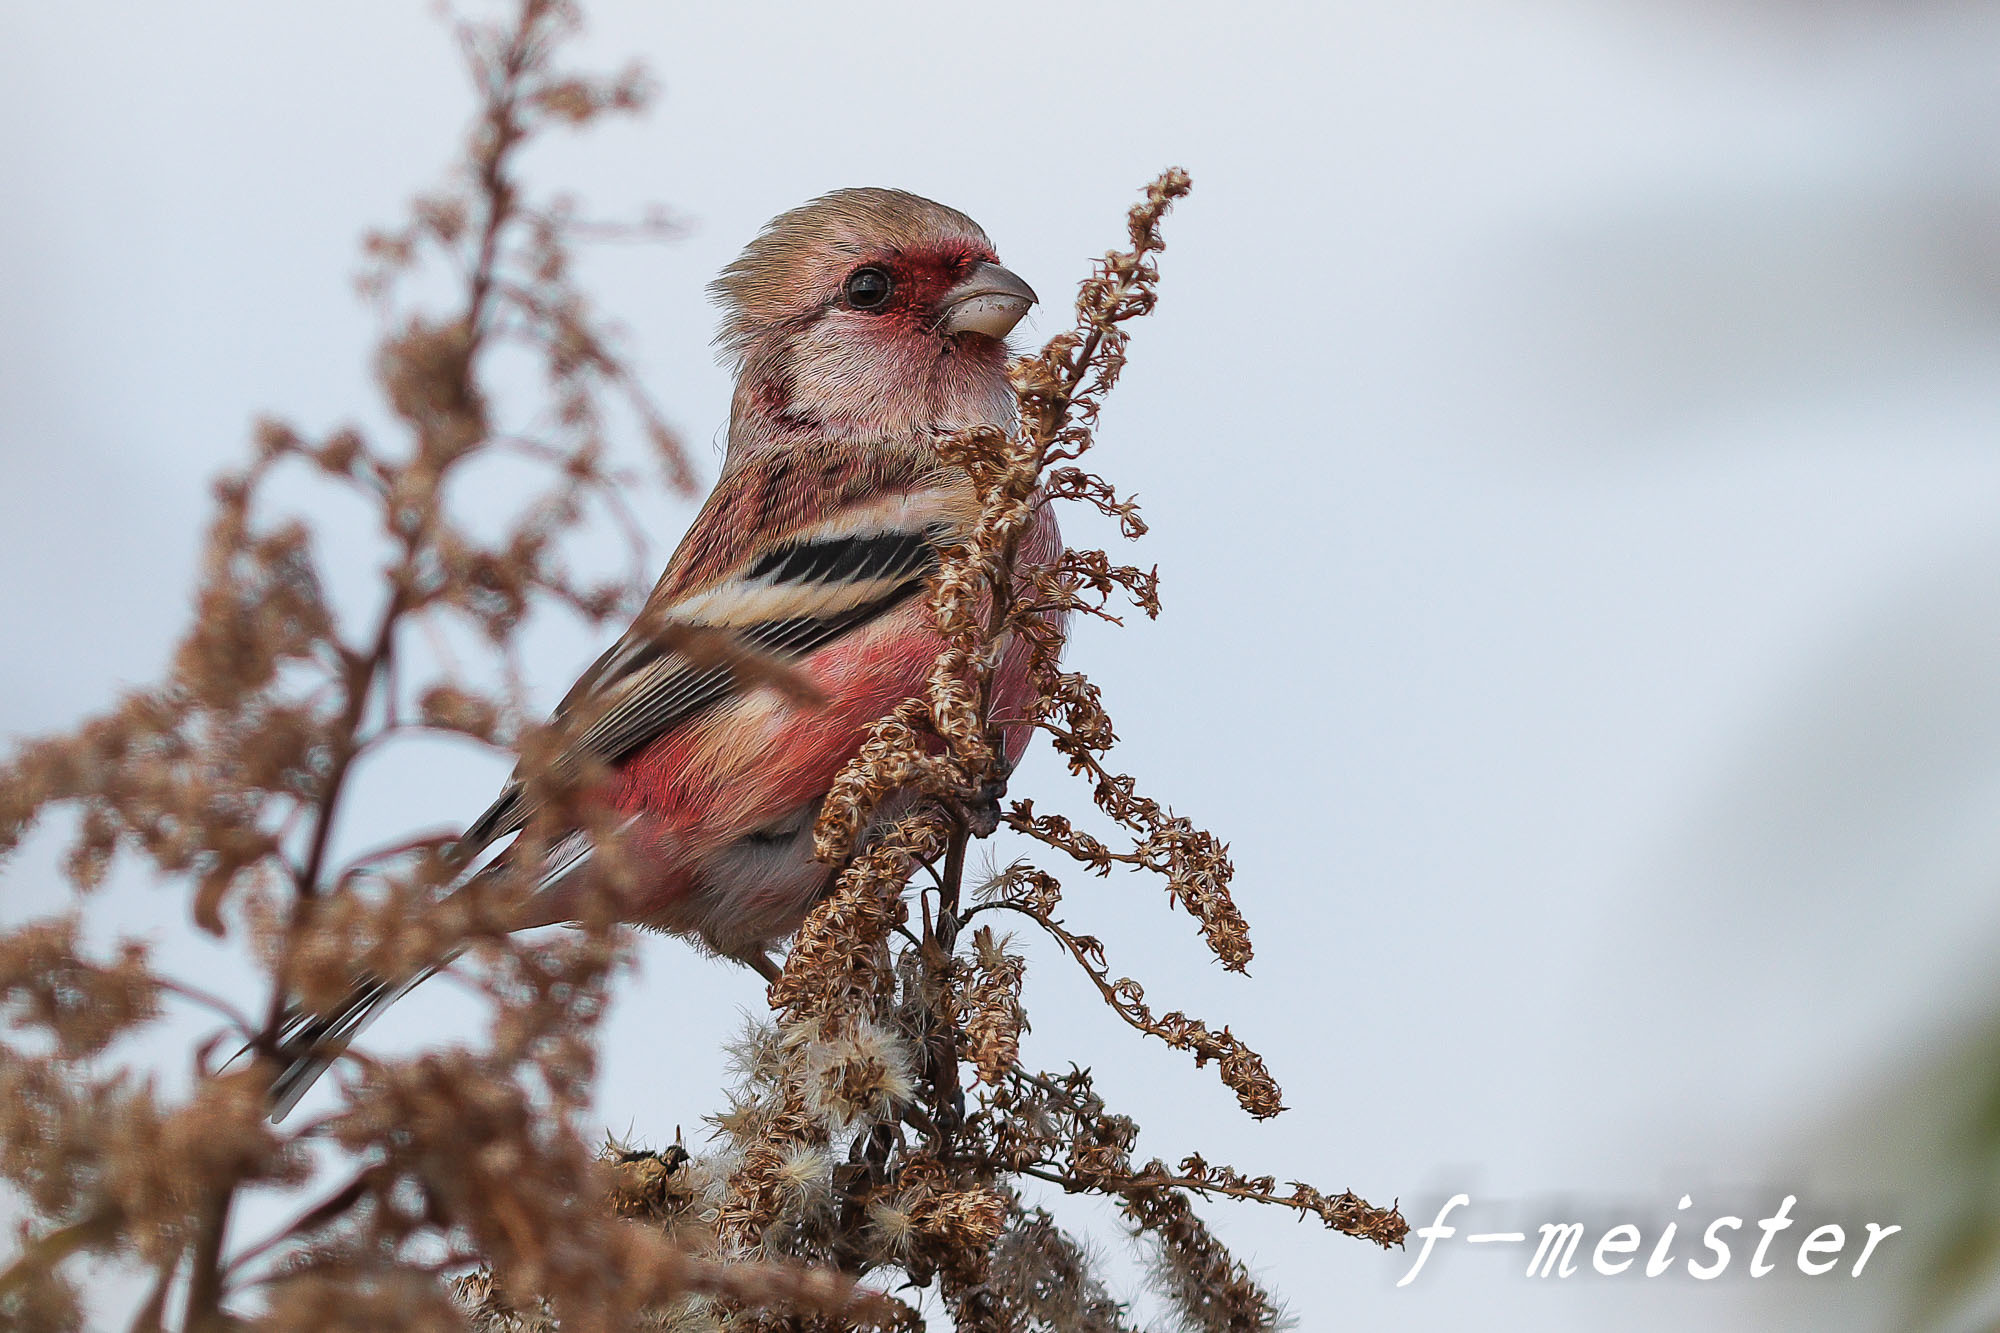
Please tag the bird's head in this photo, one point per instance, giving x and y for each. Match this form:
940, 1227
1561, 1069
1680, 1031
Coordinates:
868, 313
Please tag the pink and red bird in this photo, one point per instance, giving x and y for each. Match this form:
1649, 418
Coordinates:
863, 326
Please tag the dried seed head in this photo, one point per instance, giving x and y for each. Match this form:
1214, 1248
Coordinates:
863, 1073
893, 1228
803, 1176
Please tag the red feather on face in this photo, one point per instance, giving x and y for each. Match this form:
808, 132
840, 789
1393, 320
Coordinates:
862, 326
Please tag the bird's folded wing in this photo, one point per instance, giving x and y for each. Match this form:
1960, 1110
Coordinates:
780, 574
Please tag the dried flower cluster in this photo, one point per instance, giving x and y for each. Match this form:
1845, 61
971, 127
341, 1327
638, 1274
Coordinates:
882, 1122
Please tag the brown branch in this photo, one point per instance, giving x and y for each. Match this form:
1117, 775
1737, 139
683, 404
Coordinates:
50, 1249
1241, 1068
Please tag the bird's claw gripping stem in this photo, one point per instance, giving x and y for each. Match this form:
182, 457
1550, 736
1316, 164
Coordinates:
981, 810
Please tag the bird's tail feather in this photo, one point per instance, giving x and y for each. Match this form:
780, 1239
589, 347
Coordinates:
310, 1043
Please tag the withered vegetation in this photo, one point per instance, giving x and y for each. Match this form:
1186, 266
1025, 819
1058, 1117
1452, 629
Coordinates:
883, 1125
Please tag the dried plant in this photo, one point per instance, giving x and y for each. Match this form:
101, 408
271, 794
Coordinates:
883, 1121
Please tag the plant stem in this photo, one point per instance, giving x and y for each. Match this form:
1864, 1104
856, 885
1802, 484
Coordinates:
205, 1281
49, 1250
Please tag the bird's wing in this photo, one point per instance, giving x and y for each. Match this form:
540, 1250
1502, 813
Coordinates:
790, 552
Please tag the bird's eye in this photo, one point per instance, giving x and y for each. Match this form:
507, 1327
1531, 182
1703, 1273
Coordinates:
868, 288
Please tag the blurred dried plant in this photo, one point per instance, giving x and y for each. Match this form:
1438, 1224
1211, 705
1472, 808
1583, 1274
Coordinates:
883, 1122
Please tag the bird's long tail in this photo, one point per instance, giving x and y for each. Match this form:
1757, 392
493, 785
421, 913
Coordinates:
309, 1043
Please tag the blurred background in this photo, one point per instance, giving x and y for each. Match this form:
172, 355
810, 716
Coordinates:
1569, 436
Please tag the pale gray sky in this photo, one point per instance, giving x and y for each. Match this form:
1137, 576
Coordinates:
1569, 438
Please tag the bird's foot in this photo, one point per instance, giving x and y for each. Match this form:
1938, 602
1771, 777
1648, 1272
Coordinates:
761, 963
981, 811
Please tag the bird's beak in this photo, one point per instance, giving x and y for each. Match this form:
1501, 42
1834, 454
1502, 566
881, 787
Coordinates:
991, 301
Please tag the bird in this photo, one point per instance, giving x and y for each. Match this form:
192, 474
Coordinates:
862, 327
